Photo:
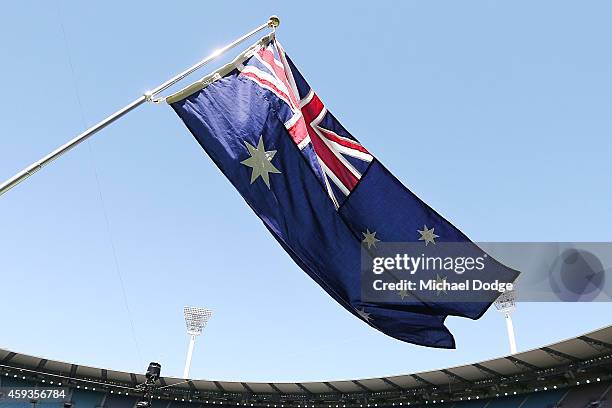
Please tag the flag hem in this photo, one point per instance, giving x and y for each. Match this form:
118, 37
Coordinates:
218, 73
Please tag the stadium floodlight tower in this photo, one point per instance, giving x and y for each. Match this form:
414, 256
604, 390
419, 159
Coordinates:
506, 303
196, 319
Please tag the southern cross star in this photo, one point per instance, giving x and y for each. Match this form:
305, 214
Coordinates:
427, 235
260, 161
370, 238
364, 315
440, 282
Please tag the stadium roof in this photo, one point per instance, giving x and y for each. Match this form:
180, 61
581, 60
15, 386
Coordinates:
594, 348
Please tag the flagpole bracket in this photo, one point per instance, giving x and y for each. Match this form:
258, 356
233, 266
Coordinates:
150, 97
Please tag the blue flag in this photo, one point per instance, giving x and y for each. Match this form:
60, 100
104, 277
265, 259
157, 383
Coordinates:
318, 191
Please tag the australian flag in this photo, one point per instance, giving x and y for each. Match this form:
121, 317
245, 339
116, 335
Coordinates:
316, 188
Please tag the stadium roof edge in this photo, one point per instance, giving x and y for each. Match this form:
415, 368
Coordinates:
582, 348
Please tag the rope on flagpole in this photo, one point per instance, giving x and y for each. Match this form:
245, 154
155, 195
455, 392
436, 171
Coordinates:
149, 96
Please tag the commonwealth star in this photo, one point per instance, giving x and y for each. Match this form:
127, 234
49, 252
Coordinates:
260, 161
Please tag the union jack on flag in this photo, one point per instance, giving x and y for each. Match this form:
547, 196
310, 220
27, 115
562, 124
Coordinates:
336, 157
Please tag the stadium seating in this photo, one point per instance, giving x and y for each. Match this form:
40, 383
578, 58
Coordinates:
86, 399
574, 373
13, 382
182, 405
583, 396
585, 383
159, 404
469, 404
17, 383
578, 397
120, 401
49, 404
507, 402
543, 399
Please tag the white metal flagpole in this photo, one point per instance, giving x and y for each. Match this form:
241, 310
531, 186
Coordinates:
272, 22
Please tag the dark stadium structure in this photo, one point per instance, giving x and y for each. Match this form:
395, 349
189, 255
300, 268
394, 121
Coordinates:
575, 373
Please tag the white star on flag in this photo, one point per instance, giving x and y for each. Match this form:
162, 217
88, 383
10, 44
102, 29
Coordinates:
364, 315
427, 235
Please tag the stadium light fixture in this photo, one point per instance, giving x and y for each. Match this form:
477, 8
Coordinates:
506, 303
195, 319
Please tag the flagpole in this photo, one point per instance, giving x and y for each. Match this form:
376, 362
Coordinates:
148, 96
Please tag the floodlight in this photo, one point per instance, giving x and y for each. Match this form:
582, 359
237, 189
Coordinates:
506, 303
195, 319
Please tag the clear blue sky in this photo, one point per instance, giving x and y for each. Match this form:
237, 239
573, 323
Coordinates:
495, 113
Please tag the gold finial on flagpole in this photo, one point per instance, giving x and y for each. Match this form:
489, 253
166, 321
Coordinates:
273, 21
